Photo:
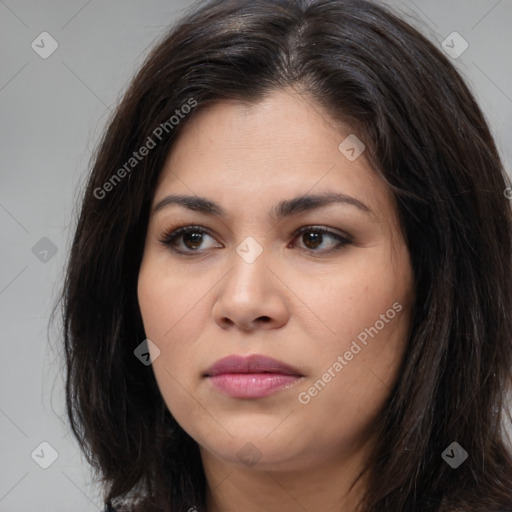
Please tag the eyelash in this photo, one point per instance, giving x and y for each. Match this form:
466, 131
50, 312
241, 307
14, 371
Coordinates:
170, 237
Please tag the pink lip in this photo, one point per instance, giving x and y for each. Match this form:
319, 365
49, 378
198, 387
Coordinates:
251, 376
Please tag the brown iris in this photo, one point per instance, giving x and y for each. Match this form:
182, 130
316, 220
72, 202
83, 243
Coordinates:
312, 240
192, 240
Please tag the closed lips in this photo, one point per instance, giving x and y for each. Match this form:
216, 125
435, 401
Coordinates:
253, 363
251, 377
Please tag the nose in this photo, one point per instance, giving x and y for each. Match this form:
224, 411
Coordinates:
251, 297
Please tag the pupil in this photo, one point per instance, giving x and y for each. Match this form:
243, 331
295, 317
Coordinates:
192, 240
312, 240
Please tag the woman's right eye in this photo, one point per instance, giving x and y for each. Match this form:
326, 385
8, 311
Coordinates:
188, 240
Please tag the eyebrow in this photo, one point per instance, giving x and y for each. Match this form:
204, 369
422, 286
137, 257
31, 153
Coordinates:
283, 209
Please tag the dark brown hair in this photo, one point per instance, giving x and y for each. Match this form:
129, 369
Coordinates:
427, 138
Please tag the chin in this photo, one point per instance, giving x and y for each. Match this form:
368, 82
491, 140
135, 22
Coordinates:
257, 452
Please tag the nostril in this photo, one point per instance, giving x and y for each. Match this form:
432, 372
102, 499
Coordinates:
228, 321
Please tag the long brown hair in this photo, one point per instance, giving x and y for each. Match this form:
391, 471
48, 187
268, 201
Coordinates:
427, 138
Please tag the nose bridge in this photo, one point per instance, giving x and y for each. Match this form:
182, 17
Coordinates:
250, 295
248, 274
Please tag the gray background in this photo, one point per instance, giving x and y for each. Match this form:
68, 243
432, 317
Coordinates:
52, 112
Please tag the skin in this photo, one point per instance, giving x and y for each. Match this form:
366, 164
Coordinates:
302, 307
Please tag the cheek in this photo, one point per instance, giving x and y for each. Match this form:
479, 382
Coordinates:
367, 310
353, 378
167, 322
174, 312
350, 297
170, 303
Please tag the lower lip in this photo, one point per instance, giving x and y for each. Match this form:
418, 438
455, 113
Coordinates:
252, 385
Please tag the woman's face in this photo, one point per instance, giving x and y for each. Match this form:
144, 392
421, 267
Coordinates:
258, 276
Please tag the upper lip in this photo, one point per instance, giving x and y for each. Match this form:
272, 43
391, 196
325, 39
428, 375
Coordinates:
253, 363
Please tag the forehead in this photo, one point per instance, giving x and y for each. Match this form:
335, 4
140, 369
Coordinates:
282, 146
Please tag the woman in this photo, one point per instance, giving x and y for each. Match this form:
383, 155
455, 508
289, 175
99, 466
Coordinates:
290, 284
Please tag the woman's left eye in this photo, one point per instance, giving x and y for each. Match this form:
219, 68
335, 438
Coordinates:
315, 239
